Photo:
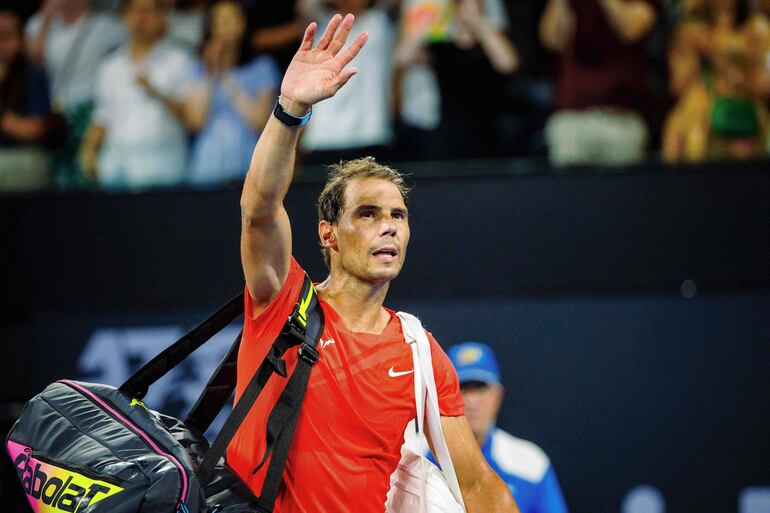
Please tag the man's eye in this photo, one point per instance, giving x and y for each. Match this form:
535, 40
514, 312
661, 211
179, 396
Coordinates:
367, 213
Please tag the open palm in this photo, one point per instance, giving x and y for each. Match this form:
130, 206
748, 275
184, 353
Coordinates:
318, 73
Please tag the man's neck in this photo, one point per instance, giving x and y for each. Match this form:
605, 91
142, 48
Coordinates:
357, 302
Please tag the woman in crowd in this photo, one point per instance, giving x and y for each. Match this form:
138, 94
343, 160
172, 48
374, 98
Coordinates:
718, 69
24, 112
71, 39
231, 97
467, 47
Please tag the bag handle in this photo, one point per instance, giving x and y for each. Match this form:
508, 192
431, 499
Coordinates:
413, 330
138, 384
217, 391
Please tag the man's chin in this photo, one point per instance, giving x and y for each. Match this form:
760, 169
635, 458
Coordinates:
380, 276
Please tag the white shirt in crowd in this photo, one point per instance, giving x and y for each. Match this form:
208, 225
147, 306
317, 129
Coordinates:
187, 27
358, 115
420, 102
73, 53
145, 145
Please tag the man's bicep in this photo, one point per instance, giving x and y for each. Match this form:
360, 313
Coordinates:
265, 256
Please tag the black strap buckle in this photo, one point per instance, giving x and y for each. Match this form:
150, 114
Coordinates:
308, 353
294, 328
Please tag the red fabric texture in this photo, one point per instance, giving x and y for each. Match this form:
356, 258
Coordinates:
350, 430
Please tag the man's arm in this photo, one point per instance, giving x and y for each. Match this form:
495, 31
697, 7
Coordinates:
631, 20
497, 47
89, 149
483, 491
557, 25
315, 73
23, 128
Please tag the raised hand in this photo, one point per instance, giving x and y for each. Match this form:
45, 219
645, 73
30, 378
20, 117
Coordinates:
318, 73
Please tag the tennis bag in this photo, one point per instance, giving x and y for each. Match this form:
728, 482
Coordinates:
92, 448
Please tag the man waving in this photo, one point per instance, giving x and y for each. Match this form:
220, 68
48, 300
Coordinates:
360, 396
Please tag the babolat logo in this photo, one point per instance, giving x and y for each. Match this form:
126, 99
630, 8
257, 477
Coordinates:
52, 489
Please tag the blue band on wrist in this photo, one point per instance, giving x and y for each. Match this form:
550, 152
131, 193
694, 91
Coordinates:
289, 119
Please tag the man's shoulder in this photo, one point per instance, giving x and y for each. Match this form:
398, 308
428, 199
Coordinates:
518, 457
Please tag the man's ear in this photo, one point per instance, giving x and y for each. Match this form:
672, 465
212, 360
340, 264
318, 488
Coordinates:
326, 235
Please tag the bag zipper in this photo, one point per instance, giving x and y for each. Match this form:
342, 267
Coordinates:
115, 413
80, 469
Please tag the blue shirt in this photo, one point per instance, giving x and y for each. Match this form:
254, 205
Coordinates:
34, 103
527, 471
223, 148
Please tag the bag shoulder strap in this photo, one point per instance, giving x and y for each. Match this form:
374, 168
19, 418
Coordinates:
419, 418
303, 327
413, 330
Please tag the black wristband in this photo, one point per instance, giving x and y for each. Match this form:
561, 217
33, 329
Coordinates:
290, 119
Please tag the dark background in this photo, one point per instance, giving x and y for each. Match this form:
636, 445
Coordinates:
630, 311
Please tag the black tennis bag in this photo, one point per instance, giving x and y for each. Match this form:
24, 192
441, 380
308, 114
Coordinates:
91, 448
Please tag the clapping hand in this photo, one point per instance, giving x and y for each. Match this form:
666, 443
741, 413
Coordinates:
315, 74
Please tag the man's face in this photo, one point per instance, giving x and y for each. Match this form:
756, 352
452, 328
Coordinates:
482, 404
371, 234
146, 19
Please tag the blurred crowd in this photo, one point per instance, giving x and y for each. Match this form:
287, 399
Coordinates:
140, 93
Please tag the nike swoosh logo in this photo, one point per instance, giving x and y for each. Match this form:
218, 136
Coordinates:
395, 374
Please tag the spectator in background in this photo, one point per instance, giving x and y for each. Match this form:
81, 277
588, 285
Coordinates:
718, 65
472, 56
70, 39
359, 114
601, 86
522, 465
415, 100
24, 111
230, 99
277, 30
186, 23
137, 138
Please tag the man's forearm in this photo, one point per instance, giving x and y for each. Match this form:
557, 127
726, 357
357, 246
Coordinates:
89, 150
489, 495
556, 25
272, 166
497, 47
631, 20
28, 129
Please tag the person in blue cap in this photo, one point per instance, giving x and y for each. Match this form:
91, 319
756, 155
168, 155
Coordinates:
523, 466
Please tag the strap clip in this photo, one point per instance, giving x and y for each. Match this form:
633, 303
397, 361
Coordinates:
294, 327
308, 353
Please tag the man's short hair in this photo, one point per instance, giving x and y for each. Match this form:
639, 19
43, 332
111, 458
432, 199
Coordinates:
331, 202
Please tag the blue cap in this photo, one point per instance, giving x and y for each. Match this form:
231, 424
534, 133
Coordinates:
475, 361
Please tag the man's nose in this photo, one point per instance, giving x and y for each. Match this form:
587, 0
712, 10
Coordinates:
388, 226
